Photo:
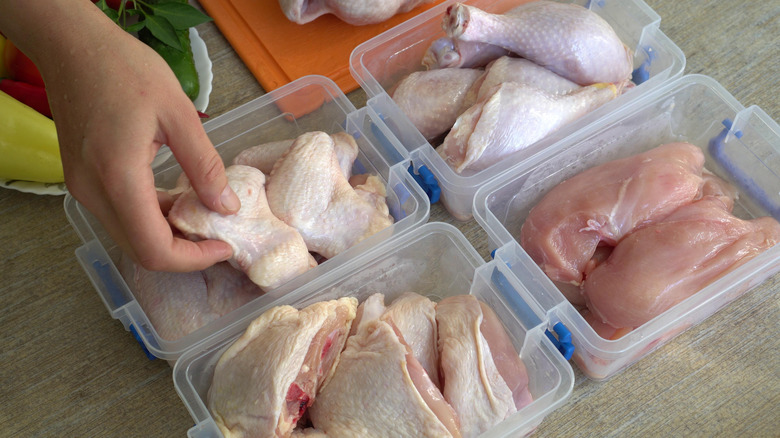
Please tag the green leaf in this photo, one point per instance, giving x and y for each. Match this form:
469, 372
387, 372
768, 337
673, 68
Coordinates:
135, 27
180, 15
163, 31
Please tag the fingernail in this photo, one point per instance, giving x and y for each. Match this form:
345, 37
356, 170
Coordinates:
229, 200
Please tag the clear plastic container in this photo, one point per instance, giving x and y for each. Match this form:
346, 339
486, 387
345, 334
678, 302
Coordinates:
436, 261
741, 145
379, 63
310, 103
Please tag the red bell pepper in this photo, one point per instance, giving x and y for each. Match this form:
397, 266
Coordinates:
19, 66
31, 95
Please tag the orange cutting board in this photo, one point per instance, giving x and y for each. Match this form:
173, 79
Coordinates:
278, 51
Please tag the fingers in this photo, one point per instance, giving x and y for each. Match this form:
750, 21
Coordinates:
201, 162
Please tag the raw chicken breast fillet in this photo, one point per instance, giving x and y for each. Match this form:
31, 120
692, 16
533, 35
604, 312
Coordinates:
603, 204
658, 266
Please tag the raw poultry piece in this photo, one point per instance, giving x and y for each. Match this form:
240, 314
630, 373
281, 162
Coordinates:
379, 389
446, 52
566, 38
603, 204
511, 117
309, 192
356, 12
178, 303
267, 249
267, 378
484, 378
264, 156
433, 99
658, 266
523, 71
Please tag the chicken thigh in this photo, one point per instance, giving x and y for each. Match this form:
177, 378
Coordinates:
356, 12
266, 379
657, 266
267, 249
178, 303
415, 318
512, 116
484, 379
309, 192
568, 39
434, 99
603, 204
378, 364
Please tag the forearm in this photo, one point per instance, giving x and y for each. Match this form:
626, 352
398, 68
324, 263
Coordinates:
53, 32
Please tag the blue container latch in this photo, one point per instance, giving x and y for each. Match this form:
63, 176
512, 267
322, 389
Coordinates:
427, 181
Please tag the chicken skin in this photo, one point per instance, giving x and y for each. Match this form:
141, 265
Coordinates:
268, 250
566, 38
309, 192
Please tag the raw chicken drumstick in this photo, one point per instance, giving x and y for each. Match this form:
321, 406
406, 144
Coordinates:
267, 249
356, 12
309, 191
565, 38
512, 116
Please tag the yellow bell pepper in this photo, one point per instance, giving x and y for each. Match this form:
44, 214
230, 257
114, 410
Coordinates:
29, 149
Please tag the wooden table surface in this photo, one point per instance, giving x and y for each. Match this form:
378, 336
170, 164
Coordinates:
69, 369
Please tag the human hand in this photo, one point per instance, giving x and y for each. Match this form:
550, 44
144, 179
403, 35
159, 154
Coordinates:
114, 107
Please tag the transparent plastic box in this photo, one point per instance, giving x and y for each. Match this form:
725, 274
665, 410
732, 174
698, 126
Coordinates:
741, 145
378, 64
436, 261
312, 103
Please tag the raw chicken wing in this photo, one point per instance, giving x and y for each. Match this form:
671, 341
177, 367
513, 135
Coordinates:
266, 379
379, 389
484, 379
264, 156
511, 117
178, 303
356, 12
434, 99
566, 38
656, 267
267, 249
308, 191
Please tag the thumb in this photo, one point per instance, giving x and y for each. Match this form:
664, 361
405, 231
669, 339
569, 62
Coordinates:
201, 163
